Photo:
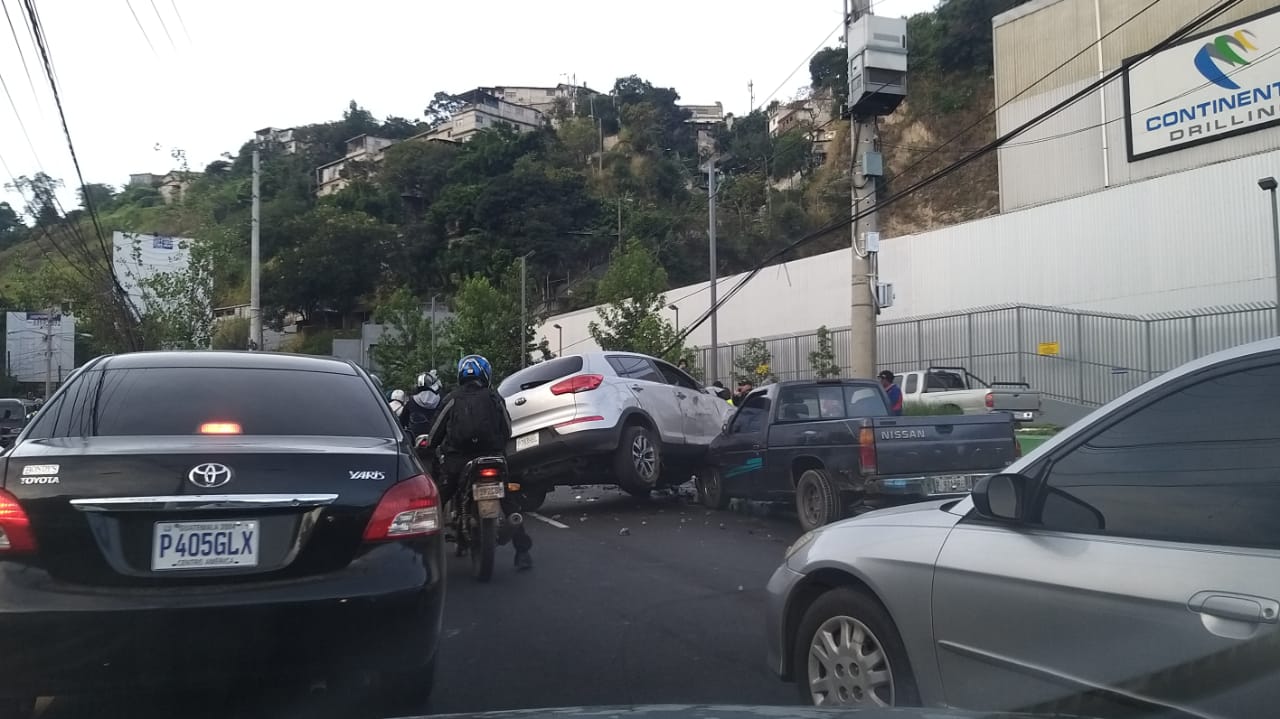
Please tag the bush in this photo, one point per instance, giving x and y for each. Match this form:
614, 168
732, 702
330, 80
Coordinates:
930, 409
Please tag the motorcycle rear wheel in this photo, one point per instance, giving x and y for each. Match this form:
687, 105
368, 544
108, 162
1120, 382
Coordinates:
484, 545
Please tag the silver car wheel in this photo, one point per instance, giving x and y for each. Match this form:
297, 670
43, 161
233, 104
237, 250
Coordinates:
848, 666
644, 457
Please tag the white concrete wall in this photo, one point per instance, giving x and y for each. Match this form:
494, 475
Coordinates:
1182, 241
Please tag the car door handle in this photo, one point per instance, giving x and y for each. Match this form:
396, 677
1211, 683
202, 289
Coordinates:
681, 395
637, 388
1237, 607
755, 446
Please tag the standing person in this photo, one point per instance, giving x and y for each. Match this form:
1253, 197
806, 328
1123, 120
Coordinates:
420, 408
744, 388
720, 391
894, 392
474, 423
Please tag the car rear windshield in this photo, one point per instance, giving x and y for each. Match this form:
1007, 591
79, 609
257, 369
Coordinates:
540, 374
189, 400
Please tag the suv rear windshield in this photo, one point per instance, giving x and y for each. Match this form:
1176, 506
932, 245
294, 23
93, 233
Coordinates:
177, 401
540, 374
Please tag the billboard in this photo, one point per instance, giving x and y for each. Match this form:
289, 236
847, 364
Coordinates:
1222, 83
35, 341
139, 257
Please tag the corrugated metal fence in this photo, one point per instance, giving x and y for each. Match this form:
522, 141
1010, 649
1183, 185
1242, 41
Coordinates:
1082, 357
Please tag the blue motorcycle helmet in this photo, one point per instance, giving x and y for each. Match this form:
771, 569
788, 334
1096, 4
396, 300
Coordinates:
474, 368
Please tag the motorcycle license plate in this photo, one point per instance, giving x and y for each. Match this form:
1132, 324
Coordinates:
489, 491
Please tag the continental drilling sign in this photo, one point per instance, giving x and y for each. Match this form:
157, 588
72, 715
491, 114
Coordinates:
1220, 84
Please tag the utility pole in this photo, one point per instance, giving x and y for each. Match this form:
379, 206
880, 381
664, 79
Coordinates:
48, 353
865, 235
751, 90
524, 312
619, 220
714, 365
255, 265
433, 332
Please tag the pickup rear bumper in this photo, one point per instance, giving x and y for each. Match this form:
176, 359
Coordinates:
923, 486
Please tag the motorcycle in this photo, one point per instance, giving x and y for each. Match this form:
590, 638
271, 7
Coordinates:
477, 523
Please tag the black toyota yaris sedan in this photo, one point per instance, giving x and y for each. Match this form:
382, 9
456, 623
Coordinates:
182, 519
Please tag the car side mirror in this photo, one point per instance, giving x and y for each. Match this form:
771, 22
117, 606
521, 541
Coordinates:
1001, 497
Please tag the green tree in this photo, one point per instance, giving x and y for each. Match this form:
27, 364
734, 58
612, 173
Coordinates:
41, 192
12, 231
632, 320
231, 334
405, 348
753, 363
823, 359
329, 264
176, 307
98, 194
486, 321
829, 70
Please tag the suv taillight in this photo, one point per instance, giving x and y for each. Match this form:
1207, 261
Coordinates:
409, 509
990, 400
867, 450
15, 527
577, 383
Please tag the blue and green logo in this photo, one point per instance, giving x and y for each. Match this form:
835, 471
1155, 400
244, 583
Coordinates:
1228, 50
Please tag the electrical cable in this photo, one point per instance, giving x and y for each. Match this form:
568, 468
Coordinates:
1208, 15
21, 54
163, 25
140, 27
182, 23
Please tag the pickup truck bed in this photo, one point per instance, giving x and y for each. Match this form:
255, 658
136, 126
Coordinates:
831, 455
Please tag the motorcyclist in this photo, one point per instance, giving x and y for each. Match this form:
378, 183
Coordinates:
398, 398
474, 423
420, 408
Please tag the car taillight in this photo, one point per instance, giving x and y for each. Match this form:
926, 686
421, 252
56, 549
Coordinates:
577, 383
867, 450
990, 400
15, 527
410, 508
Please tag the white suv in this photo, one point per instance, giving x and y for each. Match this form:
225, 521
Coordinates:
608, 418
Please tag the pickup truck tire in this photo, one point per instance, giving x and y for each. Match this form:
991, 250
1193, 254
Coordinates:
638, 460
818, 500
870, 661
711, 492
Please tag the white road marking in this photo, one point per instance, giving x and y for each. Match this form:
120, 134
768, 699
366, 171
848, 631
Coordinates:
548, 520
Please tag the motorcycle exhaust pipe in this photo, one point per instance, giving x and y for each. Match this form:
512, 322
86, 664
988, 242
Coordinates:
515, 519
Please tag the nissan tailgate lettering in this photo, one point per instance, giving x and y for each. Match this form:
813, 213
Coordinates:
902, 434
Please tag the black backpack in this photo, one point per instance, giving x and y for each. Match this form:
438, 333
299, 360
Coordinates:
476, 422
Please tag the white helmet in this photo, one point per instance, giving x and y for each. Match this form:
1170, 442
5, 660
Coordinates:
397, 395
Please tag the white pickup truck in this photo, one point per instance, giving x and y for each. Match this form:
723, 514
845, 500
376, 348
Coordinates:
955, 389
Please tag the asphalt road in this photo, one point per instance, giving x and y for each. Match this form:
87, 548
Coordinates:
629, 603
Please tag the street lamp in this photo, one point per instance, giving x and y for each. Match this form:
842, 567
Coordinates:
1268, 184
560, 337
675, 309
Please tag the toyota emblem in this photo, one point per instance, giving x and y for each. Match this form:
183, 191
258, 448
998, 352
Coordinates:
209, 475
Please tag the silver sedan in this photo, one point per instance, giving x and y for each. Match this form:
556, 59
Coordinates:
1129, 565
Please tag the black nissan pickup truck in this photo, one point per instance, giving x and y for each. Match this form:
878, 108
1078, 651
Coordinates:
829, 445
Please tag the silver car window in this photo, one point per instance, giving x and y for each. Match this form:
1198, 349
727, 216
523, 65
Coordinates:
1198, 465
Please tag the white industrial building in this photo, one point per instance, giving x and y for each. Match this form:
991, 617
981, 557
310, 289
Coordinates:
1083, 226
137, 258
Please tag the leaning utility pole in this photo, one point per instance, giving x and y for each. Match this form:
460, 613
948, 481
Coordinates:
48, 352
524, 312
713, 364
865, 235
255, 265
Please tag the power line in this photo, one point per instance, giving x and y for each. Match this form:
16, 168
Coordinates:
163, 26
21, 124
1024, 90
181, 22
792, 74
140, 27
1205, 17
25, 68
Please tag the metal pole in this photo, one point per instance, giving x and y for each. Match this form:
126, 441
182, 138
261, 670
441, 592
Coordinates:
1275, 245
862, 324
524, 313
255, 264
48, 354
619, 220
714, 365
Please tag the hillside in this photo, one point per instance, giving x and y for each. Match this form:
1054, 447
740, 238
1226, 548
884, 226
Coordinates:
429, 215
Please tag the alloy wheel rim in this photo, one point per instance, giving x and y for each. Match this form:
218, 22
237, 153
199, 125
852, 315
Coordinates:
642, 456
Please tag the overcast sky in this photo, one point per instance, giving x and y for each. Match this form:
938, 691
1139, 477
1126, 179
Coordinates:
133, 94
